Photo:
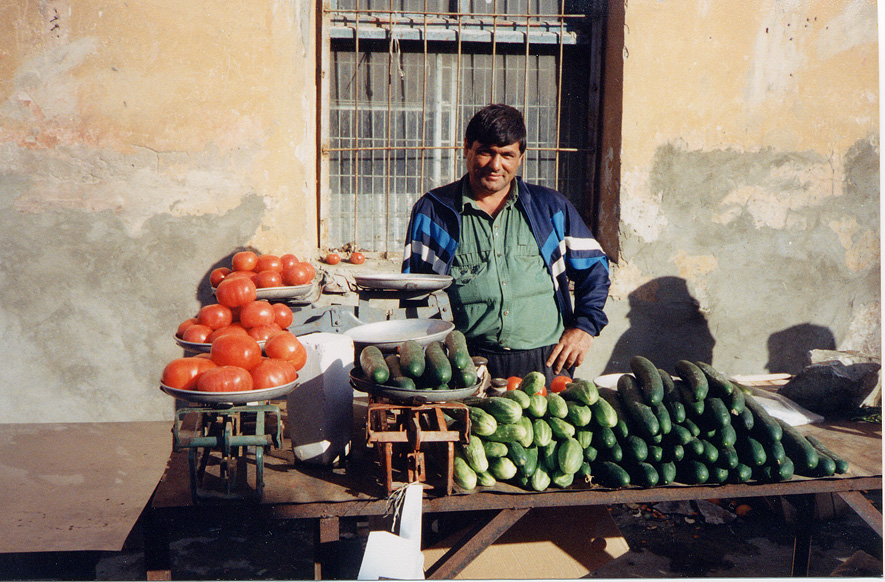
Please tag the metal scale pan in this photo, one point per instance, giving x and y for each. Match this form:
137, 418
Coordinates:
402, 282
411, 397
230, 398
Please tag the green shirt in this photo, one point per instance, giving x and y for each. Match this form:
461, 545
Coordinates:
502, 293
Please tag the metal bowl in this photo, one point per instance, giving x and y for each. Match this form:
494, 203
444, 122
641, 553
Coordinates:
234, 398
402, 282
359, 382
290, 292
388, 335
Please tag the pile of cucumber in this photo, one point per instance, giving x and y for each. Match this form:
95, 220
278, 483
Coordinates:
444, 365
653, 430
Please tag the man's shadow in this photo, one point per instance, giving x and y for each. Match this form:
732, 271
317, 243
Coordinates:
789, 349
666, 325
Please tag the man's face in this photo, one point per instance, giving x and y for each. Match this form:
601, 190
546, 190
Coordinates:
491, 168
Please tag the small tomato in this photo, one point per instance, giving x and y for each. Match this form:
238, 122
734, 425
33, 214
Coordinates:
333, 258
357, 258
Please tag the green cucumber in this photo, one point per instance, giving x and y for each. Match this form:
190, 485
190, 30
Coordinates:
692, 472
537, 406
719, 385
542, 434
650, 384
735, 402
570, 455
694, 449
585, 471
504, 410
494, 449
475, 455
401, 382
516, 453
437, 368
679, 435
740, 474
672, 399
826, 467
804, 455
663, 416
667, 472
841, 465
463, 476
411, 359
717, 474
590, 453
373, 365
745, 420
547, 456
694, 379
532, 383
643, 474
456, 347
642, 416
582, 391
529, 437
715, 414
728, 457
604, 438
710, 454
615, 453
506, 433
612, 398
486, 479
561, 429
519, 397
531, 462
776, 452
465, 377
556, 406
655, 454
765, 427
725, 436
540, 480
611, 475
751, 452
578, 414
561, 479
604, 414
673, 453
692, 427
481, 422
584, 437
502, 468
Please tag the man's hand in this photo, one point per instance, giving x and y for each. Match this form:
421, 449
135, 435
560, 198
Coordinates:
570, 350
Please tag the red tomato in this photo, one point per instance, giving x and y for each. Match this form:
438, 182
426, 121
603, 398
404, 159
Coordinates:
226, 330
310, 271
267, 279
257, 313
236, 292
215, 316
184, 325
244, 261
261, 333
513, 382
558, 383
290, 369
225, 379
288, 260
268, 263
251, 275
270, 373
357, 258
298, 274
236, 350
286, 346
333, 258
197, 333
283, 315
183, 373
218, 275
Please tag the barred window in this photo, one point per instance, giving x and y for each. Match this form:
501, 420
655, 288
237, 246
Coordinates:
401, 79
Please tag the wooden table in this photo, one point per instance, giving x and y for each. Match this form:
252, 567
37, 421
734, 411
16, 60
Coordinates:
327, 496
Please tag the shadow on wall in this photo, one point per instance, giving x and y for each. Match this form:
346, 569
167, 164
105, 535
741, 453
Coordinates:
666, 325
788, 350
204, 290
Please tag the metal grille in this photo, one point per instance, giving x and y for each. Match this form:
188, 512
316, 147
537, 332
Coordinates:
405, 77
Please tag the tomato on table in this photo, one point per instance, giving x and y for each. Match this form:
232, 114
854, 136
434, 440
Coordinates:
236, 350
236, 292
183, 373
225, 379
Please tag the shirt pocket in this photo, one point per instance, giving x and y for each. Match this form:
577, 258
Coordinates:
527, 264
468, 270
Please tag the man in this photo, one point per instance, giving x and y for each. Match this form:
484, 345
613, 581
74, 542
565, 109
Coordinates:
511, 249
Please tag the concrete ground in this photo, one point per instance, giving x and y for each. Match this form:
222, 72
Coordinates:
666, 540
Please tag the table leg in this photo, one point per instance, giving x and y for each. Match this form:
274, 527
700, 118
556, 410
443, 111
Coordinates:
476, 540
866, 510
157, 557
327, 531
805, 505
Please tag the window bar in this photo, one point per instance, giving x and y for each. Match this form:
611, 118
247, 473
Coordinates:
387, 162
424, 98
525, 88
494, 49
559, 93
355, 132
458, 92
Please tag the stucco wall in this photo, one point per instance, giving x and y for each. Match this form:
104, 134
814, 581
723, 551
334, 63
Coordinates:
749, 186
143, 143
140, 143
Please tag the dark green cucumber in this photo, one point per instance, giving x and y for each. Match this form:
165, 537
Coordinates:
620, 427
373, 365
604, 438
411, 359
735, 402
728, 457
694, 449
655, 454
561, 428
679, 435
740, 474
672, 453
635, 449
475, 454
710, 454
672, 399
692, 427
643, 474
826, 467
585, 471
667, 472
456, 348
590, 453
582, 391
663, 416
717, 474
465, 377
765, 427
615, 453
650, 384
570, 455
745, 420
437, 368
516, 453
719, 384
751, 452
611, 475
547, 456
643, 417
692, 472
804, 455
715, 414
694, 378
494, 449
841, 465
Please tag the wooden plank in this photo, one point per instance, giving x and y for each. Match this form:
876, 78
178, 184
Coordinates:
866, 510
478, 539
86, 483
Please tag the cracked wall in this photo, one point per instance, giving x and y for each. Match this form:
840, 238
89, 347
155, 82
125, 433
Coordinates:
749, 186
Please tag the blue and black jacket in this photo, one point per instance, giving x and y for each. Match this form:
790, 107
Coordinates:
566, 244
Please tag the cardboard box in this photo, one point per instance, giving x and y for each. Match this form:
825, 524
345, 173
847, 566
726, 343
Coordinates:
548, 542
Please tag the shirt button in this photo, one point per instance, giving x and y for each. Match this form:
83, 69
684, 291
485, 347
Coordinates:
503, 282
506, 312
500, 255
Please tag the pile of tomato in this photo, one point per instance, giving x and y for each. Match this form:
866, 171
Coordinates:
265, 270
234, 327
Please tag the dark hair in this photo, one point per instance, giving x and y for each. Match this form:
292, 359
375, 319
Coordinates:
497, 125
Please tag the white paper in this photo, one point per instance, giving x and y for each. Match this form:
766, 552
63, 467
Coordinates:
388, 556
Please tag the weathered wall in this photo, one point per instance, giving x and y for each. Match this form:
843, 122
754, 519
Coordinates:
749, 185
140, 143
